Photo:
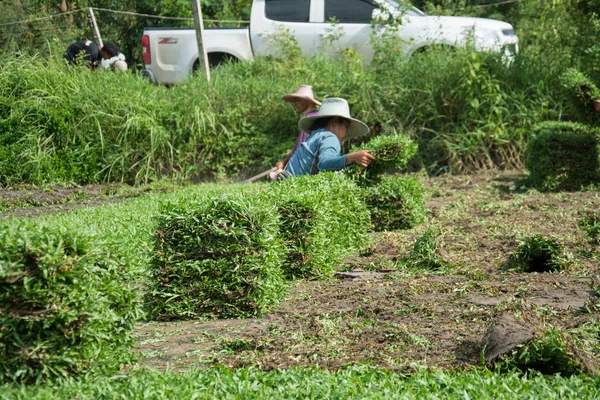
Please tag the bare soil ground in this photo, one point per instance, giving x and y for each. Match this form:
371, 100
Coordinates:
28, 202
385, 314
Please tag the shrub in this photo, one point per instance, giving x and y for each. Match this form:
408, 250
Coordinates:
392, 152
323, 218
538, 254
216, 257
65, 308
563, 156
395, 203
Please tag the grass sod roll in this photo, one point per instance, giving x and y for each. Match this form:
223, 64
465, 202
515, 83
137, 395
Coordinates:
65, 307
323, 219
392, 152
216, 257
395, 203
564, 156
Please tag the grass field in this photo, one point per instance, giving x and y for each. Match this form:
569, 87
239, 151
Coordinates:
383, 326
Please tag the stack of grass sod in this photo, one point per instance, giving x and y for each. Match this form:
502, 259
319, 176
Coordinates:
581, 86
392, 152
65, 308
216, 257
395, 202
564, 156
323, 219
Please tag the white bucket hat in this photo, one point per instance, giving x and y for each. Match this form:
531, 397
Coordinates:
335, 107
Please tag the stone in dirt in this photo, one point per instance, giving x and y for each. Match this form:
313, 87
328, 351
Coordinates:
508, 333
505, 335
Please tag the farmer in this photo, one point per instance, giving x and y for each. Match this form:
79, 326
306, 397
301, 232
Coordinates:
305, 103
321, 151
88, 52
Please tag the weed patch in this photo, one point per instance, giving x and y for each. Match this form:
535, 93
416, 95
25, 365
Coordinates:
590, 222
539, 254
426, 253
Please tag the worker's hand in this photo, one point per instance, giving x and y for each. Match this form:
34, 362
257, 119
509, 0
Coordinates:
280, 165
362, 158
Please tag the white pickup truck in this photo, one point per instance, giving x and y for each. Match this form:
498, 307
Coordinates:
171, 54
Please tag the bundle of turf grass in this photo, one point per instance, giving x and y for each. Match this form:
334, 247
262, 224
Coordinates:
564, 156
65, 307
395, 203
216, 257
392, 152
323, 219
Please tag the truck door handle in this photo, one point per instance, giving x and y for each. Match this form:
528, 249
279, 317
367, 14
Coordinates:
265, 34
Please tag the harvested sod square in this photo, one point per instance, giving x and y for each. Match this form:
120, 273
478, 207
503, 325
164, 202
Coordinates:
65, 307
564, 156
392, 152
216, 257
323, 219
395, 203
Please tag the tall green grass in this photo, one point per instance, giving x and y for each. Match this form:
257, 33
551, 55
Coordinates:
465, 110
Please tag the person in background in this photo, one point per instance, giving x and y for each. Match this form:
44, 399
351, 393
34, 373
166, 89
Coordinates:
89, 53
322, 150
306, 104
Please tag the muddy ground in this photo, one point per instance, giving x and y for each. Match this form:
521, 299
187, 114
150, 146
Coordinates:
378, 311
28, 202
388, 315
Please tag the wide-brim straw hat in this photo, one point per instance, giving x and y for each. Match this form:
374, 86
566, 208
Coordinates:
304, 92
335, 107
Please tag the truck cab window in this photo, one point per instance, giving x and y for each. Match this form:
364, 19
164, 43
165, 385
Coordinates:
288, 10
350, 11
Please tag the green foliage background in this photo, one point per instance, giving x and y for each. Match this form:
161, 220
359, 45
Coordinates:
465, 110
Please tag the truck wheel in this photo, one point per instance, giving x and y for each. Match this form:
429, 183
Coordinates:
215, 60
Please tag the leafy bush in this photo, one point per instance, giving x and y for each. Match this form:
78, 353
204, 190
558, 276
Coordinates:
392, 152
216, 257
65, 308
395, 203
539, 254
426, 252
323, 217
564, 156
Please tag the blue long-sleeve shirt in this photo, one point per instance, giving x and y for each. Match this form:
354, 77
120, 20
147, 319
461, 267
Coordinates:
322, 144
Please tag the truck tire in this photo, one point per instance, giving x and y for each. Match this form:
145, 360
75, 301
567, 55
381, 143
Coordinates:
215, 60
